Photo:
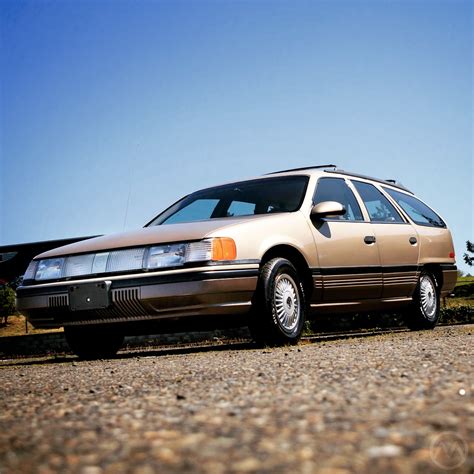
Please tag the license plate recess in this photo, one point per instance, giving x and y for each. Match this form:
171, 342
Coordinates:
90, 296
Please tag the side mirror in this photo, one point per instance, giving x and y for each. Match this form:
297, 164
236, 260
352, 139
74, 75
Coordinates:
327, 209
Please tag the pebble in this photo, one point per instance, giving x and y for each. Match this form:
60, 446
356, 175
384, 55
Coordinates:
386, 451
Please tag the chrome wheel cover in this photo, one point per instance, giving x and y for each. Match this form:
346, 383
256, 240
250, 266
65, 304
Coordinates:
286, 299
428, 297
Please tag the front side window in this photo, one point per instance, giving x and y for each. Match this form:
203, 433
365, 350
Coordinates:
261, 196
378, 206
419, 212
336, 189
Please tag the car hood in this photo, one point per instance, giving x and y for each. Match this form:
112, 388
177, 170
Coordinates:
150, 235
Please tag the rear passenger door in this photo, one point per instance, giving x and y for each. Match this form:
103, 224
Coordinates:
348, 256
397, 242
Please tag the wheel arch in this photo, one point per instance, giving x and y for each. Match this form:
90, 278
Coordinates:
297, 259
435, 270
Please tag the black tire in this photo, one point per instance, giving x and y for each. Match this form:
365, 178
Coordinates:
94, 342
424, 312
279, 309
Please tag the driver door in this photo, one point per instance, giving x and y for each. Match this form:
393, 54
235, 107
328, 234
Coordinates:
348, 255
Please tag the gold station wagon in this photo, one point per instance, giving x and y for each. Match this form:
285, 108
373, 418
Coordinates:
269, 252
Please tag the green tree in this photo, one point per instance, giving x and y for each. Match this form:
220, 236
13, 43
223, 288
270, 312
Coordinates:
7, 302
469, 259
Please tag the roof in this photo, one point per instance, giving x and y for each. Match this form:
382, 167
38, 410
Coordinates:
303, 169
319, 169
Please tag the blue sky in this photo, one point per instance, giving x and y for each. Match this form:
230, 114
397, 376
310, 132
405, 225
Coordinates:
107, 103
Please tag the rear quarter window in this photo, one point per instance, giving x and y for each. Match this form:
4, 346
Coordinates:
418, 211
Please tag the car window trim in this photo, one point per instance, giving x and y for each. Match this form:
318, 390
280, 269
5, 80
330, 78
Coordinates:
332, 219
402, 216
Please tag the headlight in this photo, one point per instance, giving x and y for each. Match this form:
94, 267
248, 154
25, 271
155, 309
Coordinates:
50, 269
214, 249
100, 262
79, 265
174, 255
141, 258
166, 256
125, 260
31, 270
199, 251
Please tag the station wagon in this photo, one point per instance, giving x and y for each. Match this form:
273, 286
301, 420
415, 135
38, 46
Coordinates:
269, 252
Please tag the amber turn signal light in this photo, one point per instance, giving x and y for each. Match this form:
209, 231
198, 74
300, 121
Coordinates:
223, 248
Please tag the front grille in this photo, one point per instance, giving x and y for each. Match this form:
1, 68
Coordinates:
128, 301
58, 301
126, 306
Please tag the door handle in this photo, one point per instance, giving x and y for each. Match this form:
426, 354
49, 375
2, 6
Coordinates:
369, 239
412, 240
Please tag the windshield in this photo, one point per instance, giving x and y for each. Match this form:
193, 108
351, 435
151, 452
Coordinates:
247, 198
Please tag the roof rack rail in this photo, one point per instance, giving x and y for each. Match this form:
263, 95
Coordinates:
390, 182
302, 169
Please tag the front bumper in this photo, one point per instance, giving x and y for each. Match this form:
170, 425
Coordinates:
146, 296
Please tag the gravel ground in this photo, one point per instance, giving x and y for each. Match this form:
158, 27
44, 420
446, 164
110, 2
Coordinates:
397, 402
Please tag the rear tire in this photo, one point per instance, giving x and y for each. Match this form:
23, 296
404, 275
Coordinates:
424, 313
279, 310
94, 342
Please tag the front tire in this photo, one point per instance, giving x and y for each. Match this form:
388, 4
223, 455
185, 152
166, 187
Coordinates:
279, 311
94, 342
424, 313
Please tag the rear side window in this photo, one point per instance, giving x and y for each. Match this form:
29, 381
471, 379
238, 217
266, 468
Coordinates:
336, 189
378, 206
419, 212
